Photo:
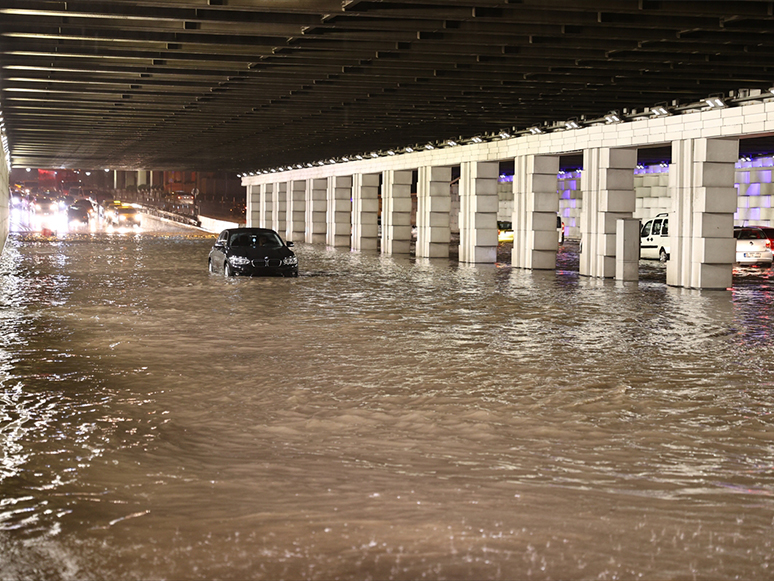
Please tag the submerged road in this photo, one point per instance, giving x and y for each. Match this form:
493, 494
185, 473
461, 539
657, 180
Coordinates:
375, 418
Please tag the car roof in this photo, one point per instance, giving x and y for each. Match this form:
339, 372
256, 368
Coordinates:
249, 231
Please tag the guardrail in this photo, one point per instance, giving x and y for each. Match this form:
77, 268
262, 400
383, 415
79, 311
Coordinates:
174, 217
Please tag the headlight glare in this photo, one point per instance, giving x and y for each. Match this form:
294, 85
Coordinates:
238, 260
289, 261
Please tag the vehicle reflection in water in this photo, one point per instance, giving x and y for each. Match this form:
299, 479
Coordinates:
753, 293
375, 418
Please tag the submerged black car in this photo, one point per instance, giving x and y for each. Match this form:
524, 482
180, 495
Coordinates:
252, 252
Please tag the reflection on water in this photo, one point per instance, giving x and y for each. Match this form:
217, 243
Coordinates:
376, 418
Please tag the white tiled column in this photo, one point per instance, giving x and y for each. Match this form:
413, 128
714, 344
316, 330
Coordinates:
296, 211
535, 204
279, 207
253, 206
433, 207
338, 217
267, 220
608, 196
627, 249
701, 223
315, 197
396, 212
365, 211
478, 211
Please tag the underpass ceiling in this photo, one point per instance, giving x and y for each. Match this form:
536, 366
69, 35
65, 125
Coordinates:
241, 85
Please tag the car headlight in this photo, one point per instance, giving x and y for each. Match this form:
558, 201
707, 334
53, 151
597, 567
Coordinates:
289, 261
238, 260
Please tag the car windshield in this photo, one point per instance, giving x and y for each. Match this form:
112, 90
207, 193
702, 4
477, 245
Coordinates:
751, 235
253, 239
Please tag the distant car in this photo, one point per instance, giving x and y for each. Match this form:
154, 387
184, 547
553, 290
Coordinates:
108, 209
125, 215
252, 252
752, 246
80, 211
504, 231
46, 204
18, 200
65, 201
654, 238
184, 198
767, 230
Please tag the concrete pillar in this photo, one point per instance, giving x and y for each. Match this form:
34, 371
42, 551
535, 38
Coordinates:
296, 214
279, 207
338, 217
126, 179
253, 206
535, 206
5, 195
315, 197
365, 211
143, 177
701, 221
267, 199
433, 208
478, 211
396, 212
608, 195
627, 249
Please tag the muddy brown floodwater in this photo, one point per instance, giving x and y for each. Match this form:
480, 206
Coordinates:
375, 418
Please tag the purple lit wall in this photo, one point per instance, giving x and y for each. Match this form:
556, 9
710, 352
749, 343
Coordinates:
651, 183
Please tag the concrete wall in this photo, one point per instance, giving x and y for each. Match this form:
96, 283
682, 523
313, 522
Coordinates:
753, 179
651, 186
4, 198
755, 191
214, 225
570, 202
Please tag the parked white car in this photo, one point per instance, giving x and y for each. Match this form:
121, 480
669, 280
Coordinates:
654, 238
752, 246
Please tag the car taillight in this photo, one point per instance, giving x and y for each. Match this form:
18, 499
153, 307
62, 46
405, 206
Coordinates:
768, 243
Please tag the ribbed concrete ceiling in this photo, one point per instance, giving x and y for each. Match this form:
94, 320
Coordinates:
247, 84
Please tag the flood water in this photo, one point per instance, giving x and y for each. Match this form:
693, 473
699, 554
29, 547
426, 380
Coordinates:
376, 418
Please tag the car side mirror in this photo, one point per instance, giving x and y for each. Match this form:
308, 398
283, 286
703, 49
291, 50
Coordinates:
220, 244
289, 244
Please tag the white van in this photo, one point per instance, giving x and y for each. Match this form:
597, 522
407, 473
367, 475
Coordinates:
654, 238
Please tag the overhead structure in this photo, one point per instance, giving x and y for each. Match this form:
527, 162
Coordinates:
241, 85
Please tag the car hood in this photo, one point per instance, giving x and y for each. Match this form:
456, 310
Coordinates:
261, 252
